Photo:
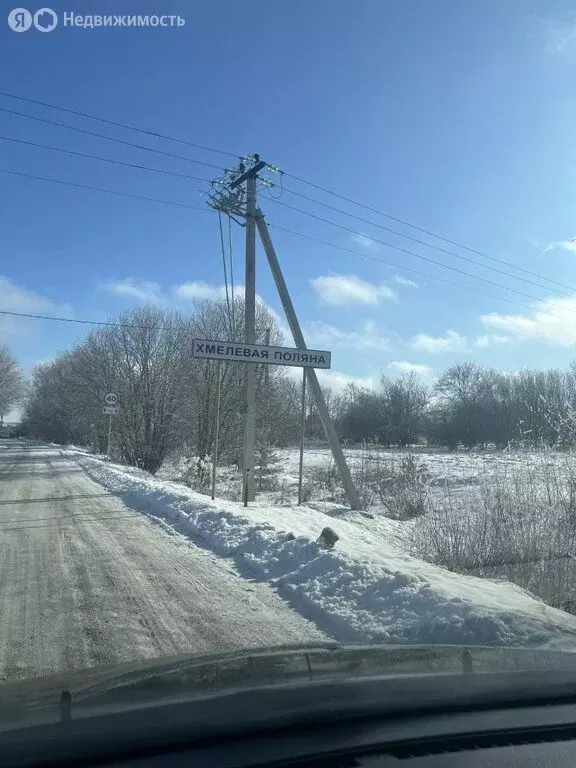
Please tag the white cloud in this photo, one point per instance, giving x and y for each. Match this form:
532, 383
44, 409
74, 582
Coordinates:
197, 289
13, 298
201, 290
368, 337
336, 380
363, 241
142, 290
561, 245
451, 342
152, 293
552, 320
339, 381
340, 290
490, 340
405, 281
402, 366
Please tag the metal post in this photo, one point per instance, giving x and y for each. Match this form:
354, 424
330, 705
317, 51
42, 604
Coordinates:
267, 367
302, 435
109, 435
216, 432
250, 338
330, 432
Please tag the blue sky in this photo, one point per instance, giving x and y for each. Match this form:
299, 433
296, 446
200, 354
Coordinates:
457, 117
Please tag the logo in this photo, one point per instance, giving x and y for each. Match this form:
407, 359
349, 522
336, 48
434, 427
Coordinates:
45, 20
20, 20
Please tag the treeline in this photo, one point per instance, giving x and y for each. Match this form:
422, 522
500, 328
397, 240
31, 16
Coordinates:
167, 398
469, 406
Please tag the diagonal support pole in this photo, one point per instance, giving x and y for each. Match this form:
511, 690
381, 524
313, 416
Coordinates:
330, 432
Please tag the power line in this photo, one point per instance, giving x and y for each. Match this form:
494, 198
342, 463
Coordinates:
108, 191
435, 247
285, 229
305, 197
70, 320
410, 253
398, 220
111, 138
117, 124
424, 231
223, 252
104, 159
398, 266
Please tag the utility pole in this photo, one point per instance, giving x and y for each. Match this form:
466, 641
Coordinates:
250, 338
228, 198
330, 432
250, 176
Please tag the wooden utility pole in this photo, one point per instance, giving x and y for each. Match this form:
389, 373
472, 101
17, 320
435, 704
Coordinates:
229, 199
250, 338
249, 176
330, 432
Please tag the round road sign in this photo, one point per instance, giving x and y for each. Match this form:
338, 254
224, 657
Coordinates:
111, 398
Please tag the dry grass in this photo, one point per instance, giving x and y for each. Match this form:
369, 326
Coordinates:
518, 525
399, 485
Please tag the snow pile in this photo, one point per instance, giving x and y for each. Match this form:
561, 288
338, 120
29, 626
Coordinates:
366, 589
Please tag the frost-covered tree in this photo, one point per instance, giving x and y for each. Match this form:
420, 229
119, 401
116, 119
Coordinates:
11, 382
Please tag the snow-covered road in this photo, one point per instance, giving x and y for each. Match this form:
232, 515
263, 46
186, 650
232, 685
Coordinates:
86, 580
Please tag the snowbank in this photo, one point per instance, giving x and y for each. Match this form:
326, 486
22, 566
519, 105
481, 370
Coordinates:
365, 589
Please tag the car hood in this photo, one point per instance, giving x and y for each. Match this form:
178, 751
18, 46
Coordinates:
148, 682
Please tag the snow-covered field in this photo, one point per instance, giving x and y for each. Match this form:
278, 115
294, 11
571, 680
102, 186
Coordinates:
437, 472
368, 587
458, 471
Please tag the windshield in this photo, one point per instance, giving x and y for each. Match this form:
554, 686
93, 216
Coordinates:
286, 329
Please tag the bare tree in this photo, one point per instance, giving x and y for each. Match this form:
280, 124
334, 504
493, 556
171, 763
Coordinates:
404, 401
11, 382
167, 398
212, 321
141, 359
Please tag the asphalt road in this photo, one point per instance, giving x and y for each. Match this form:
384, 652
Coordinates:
84, 580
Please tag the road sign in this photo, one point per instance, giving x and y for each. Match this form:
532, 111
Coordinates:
111, 398
259, 353
110, 410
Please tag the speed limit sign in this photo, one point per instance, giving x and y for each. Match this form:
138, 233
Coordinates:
111, 398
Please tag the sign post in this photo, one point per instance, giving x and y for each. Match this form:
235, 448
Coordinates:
260, 353
302, 435
109, 436
110, 409
216, 432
